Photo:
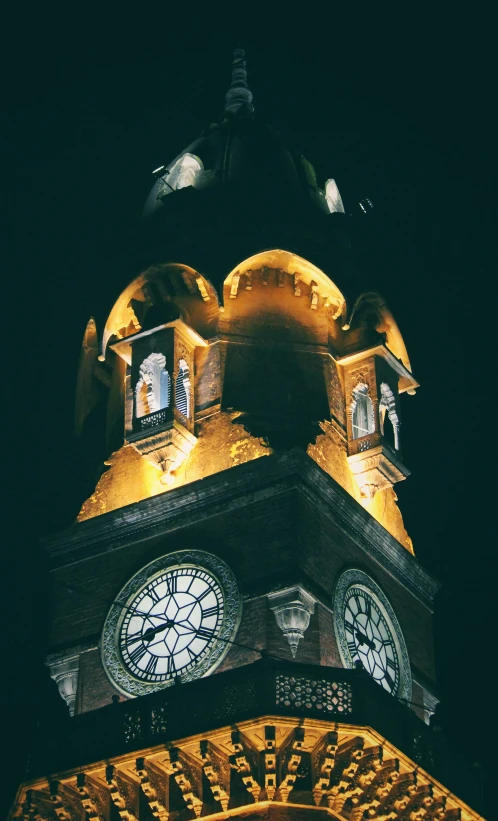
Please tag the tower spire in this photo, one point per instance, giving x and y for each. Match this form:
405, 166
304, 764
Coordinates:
238, 97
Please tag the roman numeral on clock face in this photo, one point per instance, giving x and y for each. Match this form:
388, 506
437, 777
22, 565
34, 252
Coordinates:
132, 639
171, 584
349, 627
205, 633
203, 595
352, 648
151, 665
137, 653
210, 611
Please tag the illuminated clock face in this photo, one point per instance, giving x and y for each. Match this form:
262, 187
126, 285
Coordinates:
174, 619
368, 631
370, 638
171, 624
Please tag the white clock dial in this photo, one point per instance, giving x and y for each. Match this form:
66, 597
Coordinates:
175, 619
368, 631
171, 624
370, 639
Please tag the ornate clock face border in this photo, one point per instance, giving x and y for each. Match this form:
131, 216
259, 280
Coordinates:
353, 577
122, 678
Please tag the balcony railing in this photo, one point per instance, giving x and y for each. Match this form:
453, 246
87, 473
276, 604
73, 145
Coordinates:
263, 688
154, 420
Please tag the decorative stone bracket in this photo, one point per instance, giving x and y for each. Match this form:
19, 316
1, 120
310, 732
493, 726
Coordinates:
376, 469
167, 450
65, 674
293, 608
350, 771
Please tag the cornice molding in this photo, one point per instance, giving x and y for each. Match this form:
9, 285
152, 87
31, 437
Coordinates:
237, 488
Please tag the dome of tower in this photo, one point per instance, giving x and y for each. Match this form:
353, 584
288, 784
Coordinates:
240, 153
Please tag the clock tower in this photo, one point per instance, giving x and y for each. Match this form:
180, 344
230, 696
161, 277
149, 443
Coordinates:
240, 626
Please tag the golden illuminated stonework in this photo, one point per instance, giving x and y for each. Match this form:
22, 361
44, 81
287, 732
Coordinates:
272, 767
276, 359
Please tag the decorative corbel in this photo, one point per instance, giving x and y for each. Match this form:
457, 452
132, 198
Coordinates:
167, 450
290, 761
297, 284
217, 772
34, 808
65, 674
270, 762
61, 809
398, 796
347, 762
155, 787
244, 760
202, 289
377, 792
189, 781
322, 762
358, 776
234, 285
314, 295
124, 794
96, 806
293, 608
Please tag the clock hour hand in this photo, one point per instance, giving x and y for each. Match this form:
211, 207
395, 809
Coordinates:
152, 632
362, 639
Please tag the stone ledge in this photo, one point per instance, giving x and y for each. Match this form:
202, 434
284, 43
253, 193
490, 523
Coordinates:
237, 488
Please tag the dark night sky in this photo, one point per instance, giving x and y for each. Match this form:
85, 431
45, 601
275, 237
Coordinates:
395, 108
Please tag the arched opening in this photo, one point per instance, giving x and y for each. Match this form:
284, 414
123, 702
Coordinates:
362, 414
159, 295
153, 389
334, 199
182, 389
388, 417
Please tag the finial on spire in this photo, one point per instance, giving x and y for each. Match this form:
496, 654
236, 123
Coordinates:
239, 97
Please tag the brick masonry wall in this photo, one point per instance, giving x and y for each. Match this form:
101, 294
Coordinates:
269, 544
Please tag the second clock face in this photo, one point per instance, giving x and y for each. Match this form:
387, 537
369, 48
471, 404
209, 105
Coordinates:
368, 631
370, 638
169, 626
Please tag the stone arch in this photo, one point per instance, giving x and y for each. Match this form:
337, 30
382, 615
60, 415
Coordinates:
153, 388
185, 288
333, 197
388, 410
373, 305
184, 171
362, 412
182, 389
301, 273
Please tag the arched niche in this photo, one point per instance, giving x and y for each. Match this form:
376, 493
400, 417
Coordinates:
184, 171
362, 412
153, 389
160, 294
278, 294
388, 416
